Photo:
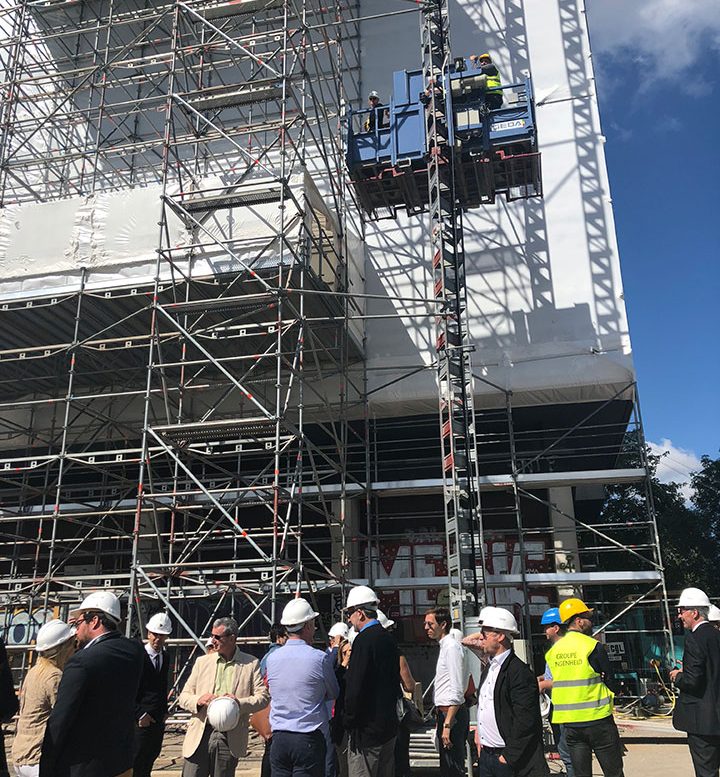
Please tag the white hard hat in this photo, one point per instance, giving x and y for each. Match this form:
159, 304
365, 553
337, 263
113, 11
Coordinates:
714, 614
501, 619
485, 611
362, 595
339, 630
351, 635
545, 705
385, 622
223, 713
104, 601
456, 634
693, 597
160, 623
52, 634
373, 93
296, 613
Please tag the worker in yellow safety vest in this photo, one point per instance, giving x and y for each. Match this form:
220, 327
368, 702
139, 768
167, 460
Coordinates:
583, 687
493, 91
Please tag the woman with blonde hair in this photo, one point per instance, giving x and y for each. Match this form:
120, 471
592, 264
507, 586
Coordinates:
54, 645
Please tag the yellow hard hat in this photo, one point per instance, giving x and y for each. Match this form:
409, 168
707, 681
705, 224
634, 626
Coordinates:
572, 607
484, 56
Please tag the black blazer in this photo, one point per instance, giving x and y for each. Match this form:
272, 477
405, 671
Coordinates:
152, 695
372, 688
91, 729
698, 707
9, 704
517, 713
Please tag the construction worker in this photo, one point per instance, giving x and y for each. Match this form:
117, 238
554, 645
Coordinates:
372, 690
451, 714
91, 729
555, 630
493, 91
301, 681
697, 710
337, 634
376, 115
54, 645
582, 694
510, 726
152, 703
224, 672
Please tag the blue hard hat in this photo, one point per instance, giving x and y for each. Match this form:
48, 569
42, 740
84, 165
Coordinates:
551, 616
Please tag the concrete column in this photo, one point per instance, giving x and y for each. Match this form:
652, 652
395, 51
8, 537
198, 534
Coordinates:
351, 564
564, 537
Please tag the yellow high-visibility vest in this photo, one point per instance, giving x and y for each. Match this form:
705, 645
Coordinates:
578, 691
493, 83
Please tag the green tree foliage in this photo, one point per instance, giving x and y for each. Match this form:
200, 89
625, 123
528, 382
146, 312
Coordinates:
689, 533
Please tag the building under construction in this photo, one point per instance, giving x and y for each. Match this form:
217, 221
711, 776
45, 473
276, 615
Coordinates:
231, 308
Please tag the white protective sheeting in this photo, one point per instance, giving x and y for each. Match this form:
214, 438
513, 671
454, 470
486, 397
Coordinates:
545, 305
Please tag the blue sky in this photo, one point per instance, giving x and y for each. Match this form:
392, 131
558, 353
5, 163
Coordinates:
657, 64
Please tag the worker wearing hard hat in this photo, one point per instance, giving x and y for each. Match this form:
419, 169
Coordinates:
377, 116
54, 645
226, 673
582, 694
91, 728
372, 689
510, 728
554, 630
152, 706
301, 681
697, 710
451, 714
493, 90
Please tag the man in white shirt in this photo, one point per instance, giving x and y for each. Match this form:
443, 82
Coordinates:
509, 722
449, 693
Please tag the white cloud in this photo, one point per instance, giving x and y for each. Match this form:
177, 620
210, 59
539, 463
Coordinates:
664, 39
676, 466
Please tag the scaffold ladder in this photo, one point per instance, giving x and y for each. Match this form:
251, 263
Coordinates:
463, 522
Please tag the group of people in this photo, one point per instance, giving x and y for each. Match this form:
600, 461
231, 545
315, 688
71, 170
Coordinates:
94, 704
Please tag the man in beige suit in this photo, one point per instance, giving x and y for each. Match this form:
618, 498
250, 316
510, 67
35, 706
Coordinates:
226, 672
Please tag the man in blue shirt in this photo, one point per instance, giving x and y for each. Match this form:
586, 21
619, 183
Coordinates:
301, 681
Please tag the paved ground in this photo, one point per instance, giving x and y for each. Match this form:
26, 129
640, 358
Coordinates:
653, 748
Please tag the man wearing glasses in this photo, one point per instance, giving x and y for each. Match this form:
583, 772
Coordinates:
225, 672
698, 707
91, 730
582, 694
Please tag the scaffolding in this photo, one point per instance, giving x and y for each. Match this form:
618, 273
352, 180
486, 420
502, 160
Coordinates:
199, 433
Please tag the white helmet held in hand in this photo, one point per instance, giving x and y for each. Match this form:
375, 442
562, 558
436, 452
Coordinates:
500, 619
385, 622
296, 613
361, 596
339, 630
52, 634
104, 601
160, 623
693, 597
223, 713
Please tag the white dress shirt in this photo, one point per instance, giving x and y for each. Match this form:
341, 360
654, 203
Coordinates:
450, 675
487, 724
153, 653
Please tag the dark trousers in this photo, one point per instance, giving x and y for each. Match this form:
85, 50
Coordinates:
489, 764
265, 767
705, 754
148, 744
452, 759
561, 745
213, 757
298, 755
402, 752
601, 738
493, 100
3, 758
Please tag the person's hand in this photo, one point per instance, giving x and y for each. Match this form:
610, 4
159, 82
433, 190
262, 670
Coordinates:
674, 673
205, 699
501, 759
446, 738
146, 720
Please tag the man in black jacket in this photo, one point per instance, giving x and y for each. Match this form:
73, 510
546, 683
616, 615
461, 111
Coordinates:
152, 703
372, 690
698, 707
90, 730
8, 703
509, 722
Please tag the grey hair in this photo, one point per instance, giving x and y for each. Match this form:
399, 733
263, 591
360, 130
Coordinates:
703, 612
229, 624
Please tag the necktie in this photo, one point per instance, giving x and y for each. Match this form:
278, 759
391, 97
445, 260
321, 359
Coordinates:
156, 660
